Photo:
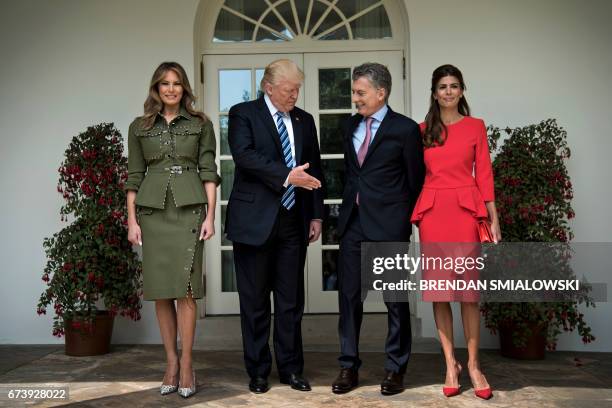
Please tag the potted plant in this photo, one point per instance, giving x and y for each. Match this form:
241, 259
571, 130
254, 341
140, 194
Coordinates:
533, 196
90, 262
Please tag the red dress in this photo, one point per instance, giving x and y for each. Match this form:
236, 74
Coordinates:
458, 181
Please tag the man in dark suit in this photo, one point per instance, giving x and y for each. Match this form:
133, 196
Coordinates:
274, 211
384, 167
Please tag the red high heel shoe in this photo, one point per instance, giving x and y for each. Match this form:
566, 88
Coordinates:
485, 393
452, 391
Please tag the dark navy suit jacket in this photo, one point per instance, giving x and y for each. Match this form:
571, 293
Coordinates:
389, 182
261, 171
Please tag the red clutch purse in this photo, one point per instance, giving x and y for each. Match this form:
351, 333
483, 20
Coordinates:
484, 231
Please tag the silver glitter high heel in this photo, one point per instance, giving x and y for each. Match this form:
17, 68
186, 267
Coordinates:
167, 389
188, 392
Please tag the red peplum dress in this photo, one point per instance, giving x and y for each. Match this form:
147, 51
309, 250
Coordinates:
458, 181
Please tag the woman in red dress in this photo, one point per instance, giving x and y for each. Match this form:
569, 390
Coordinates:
458, 192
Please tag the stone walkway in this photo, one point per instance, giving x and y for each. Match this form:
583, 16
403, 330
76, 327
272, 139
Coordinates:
130, 376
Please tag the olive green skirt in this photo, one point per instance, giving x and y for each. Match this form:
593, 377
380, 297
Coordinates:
171, 250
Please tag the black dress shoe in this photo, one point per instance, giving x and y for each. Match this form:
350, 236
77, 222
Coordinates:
347, 380
259, 385
392, 384
296, 381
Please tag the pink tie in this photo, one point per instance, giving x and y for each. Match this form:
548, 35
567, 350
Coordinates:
363, 149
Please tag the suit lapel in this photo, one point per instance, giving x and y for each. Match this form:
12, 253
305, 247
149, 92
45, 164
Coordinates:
353, 123
380, 133
264, 114
298, 137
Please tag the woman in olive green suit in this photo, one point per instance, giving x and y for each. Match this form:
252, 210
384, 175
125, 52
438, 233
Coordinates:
171, 176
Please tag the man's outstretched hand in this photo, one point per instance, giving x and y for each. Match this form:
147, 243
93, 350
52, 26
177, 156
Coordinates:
299, 178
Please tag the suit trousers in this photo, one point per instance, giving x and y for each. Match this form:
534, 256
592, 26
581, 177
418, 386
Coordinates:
277, 267
399, 337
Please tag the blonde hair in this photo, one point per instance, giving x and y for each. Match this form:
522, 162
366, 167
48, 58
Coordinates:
153, 104
281, 69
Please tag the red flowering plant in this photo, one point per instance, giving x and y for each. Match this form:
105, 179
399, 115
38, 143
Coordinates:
533, 197
91, 262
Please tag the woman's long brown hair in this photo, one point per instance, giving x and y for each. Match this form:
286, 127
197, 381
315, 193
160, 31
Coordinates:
435, 130
154, 105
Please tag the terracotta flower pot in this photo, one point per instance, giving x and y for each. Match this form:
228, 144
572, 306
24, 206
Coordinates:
535, 346
92, 342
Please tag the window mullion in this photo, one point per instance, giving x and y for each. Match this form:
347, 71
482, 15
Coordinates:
280, 17
364, 11
273, 31
331, 30
239, 14
296, 18
323, 16
308, 14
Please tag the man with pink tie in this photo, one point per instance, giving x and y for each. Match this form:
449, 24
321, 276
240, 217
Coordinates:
384, 174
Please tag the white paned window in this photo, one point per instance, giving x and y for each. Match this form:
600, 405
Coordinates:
288, 20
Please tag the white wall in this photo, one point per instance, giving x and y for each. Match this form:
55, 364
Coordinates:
524, 61
68, 64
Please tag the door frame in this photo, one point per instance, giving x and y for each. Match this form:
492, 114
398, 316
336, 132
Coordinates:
218, 302
318, 300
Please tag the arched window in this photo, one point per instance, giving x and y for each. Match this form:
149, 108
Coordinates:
288, 20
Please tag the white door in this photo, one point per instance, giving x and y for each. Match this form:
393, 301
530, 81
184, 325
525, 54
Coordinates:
326, 94
328, 98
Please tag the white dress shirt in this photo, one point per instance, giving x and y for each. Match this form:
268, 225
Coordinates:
360, 132
288, 125
286, 121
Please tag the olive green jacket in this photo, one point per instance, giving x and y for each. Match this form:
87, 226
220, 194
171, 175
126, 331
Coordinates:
179, 156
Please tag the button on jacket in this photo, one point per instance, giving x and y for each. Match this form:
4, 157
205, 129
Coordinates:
179, 155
